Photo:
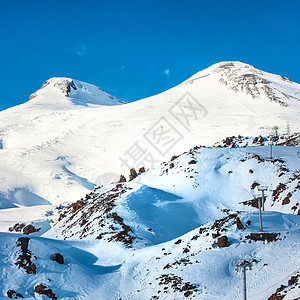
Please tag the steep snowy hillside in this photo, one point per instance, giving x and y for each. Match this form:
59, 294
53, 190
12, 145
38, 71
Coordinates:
195, 186
72, 136
22, 271
173, 232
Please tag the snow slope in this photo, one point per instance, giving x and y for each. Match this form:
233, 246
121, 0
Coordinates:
156, 237
71, 135
72, 280
194, 186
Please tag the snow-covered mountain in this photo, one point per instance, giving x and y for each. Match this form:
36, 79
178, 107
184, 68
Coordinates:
57, 92
172, 233
71, 135
73, 225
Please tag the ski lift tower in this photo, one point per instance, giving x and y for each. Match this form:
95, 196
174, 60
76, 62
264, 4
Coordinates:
262, 189
243, 265
259, 199
271, 144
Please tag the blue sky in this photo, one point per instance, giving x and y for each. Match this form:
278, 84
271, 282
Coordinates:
135, 49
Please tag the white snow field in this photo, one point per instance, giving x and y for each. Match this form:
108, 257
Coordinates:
57, 146
174, 231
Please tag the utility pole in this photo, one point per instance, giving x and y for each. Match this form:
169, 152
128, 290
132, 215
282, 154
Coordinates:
262, 189
259, 207
271, 144
242, 264
276, 134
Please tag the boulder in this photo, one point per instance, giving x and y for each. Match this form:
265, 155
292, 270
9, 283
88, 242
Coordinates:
28, 229
41, 289
228, 141
142, 170
58, 258
132, 174
222, 242
263, 236
122, 179
10, 293
239, 224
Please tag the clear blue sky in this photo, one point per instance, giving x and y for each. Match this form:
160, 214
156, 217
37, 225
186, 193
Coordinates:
134, 49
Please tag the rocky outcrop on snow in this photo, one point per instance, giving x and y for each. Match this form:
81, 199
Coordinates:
33, 95
25, 229
60, 89
11, 294
42, 290
66, 86
288, 290
97, 217
58, 258
28, 229
291, 140
24, 260
244, 78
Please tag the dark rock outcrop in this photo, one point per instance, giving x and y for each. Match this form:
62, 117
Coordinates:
263, 236
287, 200
24, 259
122, 179
28, 229
77, 205
254, 185
132, 174
17, 227
222, 242
239, 224
11, 294
58, 258
142, 170
41, 289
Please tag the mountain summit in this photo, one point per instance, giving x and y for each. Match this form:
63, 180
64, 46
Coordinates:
67, 90
244, 78
73, 133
